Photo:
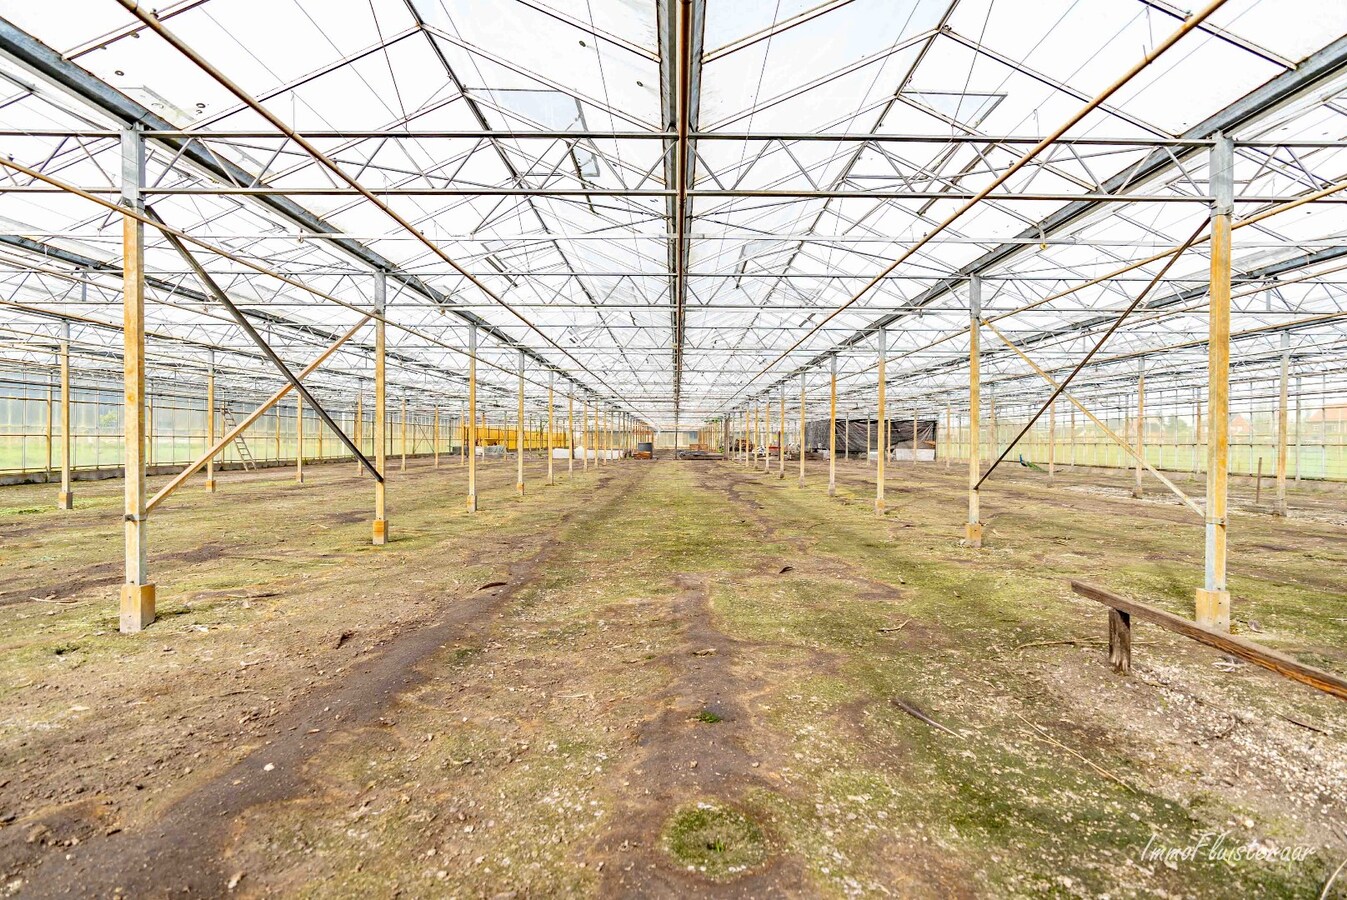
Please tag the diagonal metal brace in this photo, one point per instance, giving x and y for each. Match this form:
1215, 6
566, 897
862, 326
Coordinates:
1117, 323
214, 290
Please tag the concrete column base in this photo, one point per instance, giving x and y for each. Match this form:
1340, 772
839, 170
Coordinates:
801, 482
380, 532
472, 503
832, 491
879, 507
1278, 508
211, 485
65, 500
973, 534
1213, 609
137, 606
1137, 493
519, 488
299, 479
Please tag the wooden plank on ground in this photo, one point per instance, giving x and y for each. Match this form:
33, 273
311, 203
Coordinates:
1226, 643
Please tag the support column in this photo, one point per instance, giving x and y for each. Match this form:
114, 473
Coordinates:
743, 447
379, 530
832, 427
463, 435
1071, 441
949, 452
434, 434
66, 499
1213, 600
519, 433
551, 389
137, 594
1299, 424
299, 439
404, 434
802, 429
973, 527
1283, 423
1137, 488
781, 441
359, 428
767, 434
570, 433
51, 443
914, 435
882, 405
470, 445
1052, 441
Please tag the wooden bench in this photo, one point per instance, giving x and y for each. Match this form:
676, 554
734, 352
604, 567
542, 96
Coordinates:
1121, 611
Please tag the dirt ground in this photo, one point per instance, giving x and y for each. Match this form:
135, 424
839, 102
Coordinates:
660, 679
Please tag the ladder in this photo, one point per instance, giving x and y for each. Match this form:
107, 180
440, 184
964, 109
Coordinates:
240, 445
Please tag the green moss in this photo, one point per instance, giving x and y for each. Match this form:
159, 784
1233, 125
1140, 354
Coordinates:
714, 840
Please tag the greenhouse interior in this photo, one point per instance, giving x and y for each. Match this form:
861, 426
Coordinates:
666, 448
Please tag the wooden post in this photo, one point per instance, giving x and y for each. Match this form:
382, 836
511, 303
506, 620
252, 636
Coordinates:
551, 388
949, 447
66, 499
973, 527
519, 433
1137, 488
470, 444
883, 410
359, 428
299, 439
598, 459
1213, 600
832, 427
1071, 441
435, 434
1120, 640
379, 530
993, 427
767, 434
51, 437
275, 432
1299, 423
915, 445
149, 425
1283, 426
781, 439
570, 433
322, 426
137, 594
403, 434
1052, 441
743, 447
802, 429
1258, 484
